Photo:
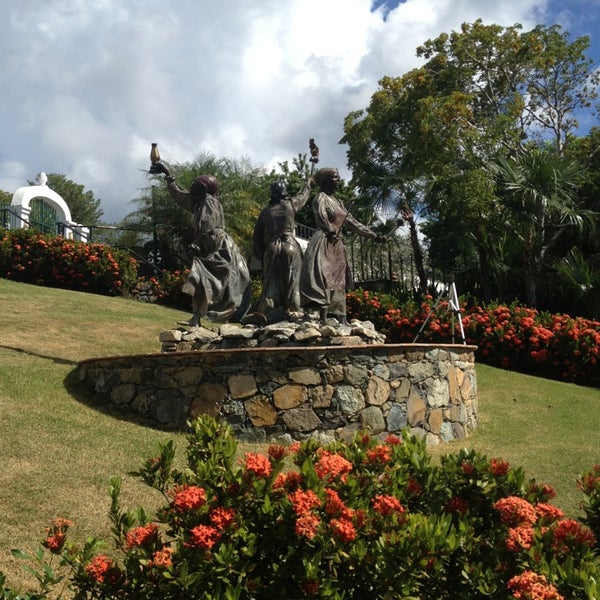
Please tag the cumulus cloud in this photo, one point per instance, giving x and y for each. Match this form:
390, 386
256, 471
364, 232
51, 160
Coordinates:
86, 87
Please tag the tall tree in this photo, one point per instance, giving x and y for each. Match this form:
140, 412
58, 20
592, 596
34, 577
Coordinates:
482, 91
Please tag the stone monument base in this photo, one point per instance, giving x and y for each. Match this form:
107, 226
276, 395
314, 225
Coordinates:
283, 382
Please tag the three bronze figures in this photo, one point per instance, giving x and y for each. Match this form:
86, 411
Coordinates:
293, 282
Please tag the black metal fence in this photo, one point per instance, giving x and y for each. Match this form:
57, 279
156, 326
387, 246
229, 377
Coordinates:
11, 220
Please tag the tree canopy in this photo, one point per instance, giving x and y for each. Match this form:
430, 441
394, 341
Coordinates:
484, 94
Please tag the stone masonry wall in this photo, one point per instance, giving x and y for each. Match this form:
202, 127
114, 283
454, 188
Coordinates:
286, 393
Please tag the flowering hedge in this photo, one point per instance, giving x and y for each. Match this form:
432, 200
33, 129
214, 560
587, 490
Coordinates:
511, 337
54, 261
368, 519
164, 288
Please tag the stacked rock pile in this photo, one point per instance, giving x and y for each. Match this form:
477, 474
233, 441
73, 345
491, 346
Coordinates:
289, 333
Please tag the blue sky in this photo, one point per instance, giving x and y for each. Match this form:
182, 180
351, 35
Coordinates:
87, 86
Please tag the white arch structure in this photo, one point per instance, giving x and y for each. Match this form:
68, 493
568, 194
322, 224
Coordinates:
21, 202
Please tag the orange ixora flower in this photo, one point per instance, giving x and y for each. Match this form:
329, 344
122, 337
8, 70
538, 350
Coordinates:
222, 517
258, 464
379, 454
519, 538
343, 530
548, 513
332, 466
303, 501
56, 535
569, 534
103, 569
386, 505
307, 526
204, 536
276, 451
141, 536
393, 440
531, 586
162, 559
334, 505
188, 497
498, 467
515, 511
289, 481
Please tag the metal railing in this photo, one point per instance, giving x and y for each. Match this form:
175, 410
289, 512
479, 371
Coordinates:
372, 266
9, 219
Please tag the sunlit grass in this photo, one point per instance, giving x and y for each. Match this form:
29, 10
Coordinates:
58, 452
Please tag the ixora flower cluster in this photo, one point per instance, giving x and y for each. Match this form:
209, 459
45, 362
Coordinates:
54, 261
511, 337
368, 519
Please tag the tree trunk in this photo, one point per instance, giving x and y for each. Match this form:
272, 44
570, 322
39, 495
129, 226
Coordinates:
484, 273
530, 271
408, 216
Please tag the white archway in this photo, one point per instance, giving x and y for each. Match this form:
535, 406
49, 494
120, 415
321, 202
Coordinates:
21, 204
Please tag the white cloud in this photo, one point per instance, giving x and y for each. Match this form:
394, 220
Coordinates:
86, 87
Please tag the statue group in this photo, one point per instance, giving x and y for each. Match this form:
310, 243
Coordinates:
294, 283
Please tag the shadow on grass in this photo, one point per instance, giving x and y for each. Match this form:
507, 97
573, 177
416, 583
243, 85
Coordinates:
101, 404
55, 359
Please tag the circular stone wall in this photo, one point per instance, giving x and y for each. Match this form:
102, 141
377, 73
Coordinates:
279, 394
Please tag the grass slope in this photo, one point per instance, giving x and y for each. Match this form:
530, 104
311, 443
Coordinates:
58, 451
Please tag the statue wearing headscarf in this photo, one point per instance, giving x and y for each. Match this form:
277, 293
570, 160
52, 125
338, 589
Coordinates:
326, 275
219, 280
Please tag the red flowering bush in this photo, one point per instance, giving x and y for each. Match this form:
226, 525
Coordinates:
510, 337
367, 519
54, 261
164, 288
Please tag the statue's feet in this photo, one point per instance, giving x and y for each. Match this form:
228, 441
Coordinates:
193, 322
255, 318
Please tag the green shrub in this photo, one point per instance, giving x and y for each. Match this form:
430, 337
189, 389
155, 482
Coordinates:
54, 261
368, 519
164, 288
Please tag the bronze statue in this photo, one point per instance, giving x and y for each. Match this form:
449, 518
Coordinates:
276, 245
325, 274
219, 280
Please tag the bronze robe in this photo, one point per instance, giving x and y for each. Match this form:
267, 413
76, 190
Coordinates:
275, 243
325, 273
219, 279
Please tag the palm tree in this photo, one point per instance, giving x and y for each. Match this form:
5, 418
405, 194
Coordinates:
537, 192
405, 200
580, 281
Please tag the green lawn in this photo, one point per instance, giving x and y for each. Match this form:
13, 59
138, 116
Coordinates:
549, 428
58, 451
